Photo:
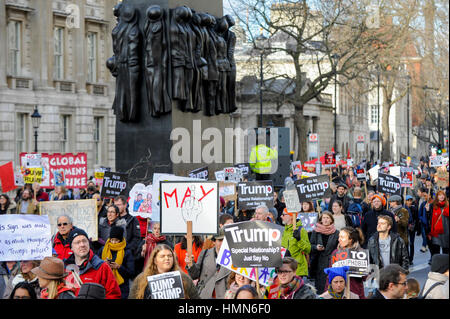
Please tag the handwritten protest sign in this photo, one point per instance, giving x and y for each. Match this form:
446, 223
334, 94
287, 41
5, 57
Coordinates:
140, 202
357, 260
83, 213
441, 178
291, 199
254, 243
373, 172
114, 184
253, 194
266, 274
24, 237
313, 188
389, 184
168, 285
183, 201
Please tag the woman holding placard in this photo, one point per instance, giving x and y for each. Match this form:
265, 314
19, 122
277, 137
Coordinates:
161, 260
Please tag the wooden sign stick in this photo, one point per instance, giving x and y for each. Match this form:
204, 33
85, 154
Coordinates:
257, 281
347, 289
189, 239
404, 197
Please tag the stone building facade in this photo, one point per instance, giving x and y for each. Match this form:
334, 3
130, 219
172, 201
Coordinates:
54, 60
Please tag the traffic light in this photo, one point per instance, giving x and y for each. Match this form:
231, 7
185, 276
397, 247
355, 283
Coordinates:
439, 149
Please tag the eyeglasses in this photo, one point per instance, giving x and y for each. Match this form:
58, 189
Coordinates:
401, 283
280, 271
63, 224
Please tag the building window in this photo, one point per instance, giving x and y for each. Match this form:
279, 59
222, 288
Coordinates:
58, 71
21, 134
97, 139
92, 56
15, 47
65, 133
374, 114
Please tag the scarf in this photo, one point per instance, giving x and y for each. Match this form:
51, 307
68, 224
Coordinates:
288, 291
107, 253
336, 295
151, 242
326, 230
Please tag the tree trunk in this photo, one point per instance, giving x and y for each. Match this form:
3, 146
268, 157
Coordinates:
300, 130
385, 137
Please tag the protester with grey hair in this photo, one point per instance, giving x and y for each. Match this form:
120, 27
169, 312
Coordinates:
60, 240
261, 213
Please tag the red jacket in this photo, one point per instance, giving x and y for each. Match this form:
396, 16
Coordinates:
437, 226
94, 269
63, 251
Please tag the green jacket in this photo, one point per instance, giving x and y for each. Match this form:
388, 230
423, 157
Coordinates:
298, 249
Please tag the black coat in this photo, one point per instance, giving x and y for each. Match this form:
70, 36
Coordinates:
370, 221
319, 260
377, 295
133, 233
398, 251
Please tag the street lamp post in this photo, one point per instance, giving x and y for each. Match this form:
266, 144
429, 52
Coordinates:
35, 121
260, 42
335, 57
378, 113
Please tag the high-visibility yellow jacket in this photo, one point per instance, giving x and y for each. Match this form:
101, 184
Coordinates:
261, 158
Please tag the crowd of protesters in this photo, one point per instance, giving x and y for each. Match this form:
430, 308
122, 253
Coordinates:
130, 248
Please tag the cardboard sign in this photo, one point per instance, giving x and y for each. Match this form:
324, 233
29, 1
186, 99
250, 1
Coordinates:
357, 260
442, 178
309, 220
196, 201
313, 188
254, 194
292, 202
407, 176
436, 161
74, 166
168, 285
200, 173
360, 174
83, 213
389, 184
140, 201
114, 184
254, 243
24, 237
266, 274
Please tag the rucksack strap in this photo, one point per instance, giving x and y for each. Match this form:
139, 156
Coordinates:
431, 288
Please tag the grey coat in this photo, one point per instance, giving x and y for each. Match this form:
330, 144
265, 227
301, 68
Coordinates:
209, 278
104, 228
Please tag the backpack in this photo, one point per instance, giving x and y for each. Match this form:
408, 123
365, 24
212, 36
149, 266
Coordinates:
423, 296
355, 210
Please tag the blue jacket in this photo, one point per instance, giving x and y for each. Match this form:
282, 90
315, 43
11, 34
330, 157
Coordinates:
424, 217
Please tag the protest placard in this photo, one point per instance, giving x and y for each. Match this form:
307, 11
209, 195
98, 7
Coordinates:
357, 260
244, 167
33, 175
114, 184
168, 285
232, 174
436, 161
99, 173
7, 178
296, 167
309, 220
220, 176
360, 173
183, 201
406, 175
59, 177
83, 213
266, 275
442, 178
373, 172
313, 188
389, 184
254, 194
291, 200
330, 160
74, 166
394, 171
140, 202
200, 173
33, 160
254, 243
24, 237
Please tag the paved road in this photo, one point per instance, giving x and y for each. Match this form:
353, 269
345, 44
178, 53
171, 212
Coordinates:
420, 268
